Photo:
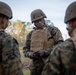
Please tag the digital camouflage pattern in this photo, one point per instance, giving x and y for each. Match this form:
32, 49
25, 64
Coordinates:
62, 60
55, 37
10, 63
36, 66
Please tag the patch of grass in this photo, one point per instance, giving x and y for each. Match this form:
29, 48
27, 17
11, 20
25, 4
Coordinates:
26, 72
25, 63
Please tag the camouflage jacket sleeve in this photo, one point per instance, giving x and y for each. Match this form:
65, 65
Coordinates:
62, 60
56, 34
26, 48
10, 55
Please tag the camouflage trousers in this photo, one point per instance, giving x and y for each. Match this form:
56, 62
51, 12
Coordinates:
36, 67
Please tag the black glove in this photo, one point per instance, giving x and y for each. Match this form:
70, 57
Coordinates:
32, 55
42, 53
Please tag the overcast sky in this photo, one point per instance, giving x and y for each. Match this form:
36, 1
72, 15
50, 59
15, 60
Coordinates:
54, 10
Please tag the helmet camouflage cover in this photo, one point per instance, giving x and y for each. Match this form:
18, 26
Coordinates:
37, 14
70, 12
5, 10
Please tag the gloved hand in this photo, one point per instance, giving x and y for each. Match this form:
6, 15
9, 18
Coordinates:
32, 55
42, 53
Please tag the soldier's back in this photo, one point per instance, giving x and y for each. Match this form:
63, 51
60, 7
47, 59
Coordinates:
67, 58
62, 60
10, 63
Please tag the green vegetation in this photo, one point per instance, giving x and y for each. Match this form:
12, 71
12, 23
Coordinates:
25, 63
26, 72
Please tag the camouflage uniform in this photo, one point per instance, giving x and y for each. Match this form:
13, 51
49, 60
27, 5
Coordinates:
10, 63
36, 66
62, 60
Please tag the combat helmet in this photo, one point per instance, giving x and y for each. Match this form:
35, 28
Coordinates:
70, 12
37, 14
5, 10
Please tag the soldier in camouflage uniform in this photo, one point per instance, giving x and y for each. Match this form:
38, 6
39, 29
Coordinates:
10, 63
62, 60
40, 41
